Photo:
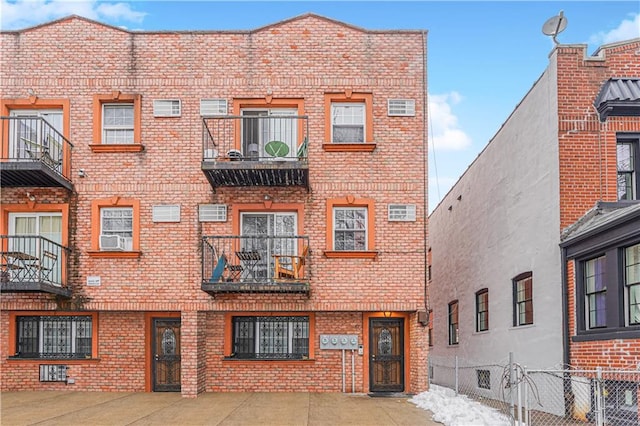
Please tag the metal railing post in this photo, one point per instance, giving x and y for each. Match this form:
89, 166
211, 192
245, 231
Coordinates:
457, 372
512, 374
599, 402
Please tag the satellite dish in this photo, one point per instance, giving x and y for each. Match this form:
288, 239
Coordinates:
555, 26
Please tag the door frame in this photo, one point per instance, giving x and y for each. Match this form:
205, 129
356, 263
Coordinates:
366, 317
149, 318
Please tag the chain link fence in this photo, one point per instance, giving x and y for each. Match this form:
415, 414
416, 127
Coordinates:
544, 397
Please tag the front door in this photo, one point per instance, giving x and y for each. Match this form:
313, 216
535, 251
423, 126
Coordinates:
166, 355
386, 354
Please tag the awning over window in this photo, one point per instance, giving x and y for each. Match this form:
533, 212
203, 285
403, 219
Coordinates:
619, 97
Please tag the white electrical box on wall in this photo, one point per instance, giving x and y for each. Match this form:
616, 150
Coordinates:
338, 341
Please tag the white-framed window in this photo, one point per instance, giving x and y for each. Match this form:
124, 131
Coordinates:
401, 107
347, 122
117, 123
167, 108
213, 107
350, 228
166, 213
117, 221
402, 212
212, 212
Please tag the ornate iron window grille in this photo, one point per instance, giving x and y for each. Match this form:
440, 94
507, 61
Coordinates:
261, 337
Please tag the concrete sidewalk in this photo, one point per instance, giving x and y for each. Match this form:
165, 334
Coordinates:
114, 408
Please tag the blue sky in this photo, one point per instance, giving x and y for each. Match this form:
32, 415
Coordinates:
482, 56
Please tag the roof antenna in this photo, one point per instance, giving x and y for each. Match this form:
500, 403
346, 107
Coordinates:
555, 26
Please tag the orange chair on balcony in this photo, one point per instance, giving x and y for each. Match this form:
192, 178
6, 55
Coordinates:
288, 266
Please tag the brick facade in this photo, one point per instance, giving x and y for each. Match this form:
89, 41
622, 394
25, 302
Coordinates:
303, 58
588, 170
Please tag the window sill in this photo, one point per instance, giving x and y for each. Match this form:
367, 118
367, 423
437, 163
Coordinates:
475, 333
368, 254
114, 254
349, 147
521, 327
267, 361
52, 360
607, 334
110, 148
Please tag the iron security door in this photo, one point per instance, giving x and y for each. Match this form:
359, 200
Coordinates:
386, 355
166, 355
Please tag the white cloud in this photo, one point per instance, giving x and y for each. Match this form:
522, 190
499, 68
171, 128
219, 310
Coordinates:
628, 29
26, 13
444, 130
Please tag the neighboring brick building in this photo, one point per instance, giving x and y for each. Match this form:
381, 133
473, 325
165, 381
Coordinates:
234, 205
498, 281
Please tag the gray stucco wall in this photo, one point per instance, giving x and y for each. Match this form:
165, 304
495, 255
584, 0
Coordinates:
505, 223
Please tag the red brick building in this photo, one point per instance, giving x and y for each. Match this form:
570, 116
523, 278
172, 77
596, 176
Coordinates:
213, 211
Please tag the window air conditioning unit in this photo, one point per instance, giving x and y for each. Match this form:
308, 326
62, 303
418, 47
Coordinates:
112, 242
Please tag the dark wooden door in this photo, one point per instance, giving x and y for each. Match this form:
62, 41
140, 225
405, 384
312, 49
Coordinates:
166, 355
386, 355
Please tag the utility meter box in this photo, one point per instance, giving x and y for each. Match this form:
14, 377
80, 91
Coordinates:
338, 341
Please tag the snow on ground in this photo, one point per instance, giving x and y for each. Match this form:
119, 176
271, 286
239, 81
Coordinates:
458, 410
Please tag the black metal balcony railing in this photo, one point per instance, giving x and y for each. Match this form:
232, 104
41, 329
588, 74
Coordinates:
255, 264
250, 150
34, 153
33, 264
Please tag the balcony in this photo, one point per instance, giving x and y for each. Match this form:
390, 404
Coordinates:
255, 264
33, 154
33, 264
256, 150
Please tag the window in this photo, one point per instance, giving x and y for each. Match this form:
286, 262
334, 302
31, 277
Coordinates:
116, 123
484, 379
350, 228
54, 337
523, 299
453, 323
267, 337
632, 283
116, 229
595, 292
117, 223
347, 122
482, 310
628, 157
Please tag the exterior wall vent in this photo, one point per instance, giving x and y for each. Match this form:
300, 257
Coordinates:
213, 107
167, 108
212, 212
401, 107
166, 213
402, 213
53, 373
